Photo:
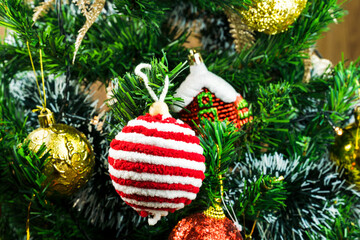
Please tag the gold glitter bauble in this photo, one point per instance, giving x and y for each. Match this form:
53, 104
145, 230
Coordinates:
71, 155
272, 16
346, 150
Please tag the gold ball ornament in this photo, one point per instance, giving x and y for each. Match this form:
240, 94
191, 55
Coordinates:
71, 155
272, 16
346, 150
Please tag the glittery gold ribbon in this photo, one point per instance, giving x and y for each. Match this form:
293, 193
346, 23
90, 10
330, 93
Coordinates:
220, 176
43, 100
217, 211
28, 220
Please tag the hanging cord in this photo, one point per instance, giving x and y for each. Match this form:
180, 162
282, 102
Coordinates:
232, 215
42, 77
159, 106
220, 176
42, 110
42, 99
28, 219
139, 73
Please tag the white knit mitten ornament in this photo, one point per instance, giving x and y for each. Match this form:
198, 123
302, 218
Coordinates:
155, 162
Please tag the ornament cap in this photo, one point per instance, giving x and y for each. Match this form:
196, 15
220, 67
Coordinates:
194, 58
248, 237
215, 212
159, 108
46, 118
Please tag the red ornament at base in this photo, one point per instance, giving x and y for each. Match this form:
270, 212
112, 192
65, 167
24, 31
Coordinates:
202, 226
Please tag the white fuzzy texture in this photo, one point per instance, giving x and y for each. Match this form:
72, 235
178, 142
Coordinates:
198, 79
154, 204
169, 194
196, 182
159, 142
146, 82
163, 127
156, 215
156, 160
320, 66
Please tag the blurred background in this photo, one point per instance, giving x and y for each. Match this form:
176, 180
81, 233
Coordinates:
343, 38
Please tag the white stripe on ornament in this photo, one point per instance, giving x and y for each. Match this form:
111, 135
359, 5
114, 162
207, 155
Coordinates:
154, 204
159, 142
163, 127
170, 179
169, 194
179, 121
156, 160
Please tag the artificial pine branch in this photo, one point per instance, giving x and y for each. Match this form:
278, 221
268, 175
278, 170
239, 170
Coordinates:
265, 194
282, 52
315, 192
132, 99
290, 117
218, 140
115, 46
14, 15
346, 226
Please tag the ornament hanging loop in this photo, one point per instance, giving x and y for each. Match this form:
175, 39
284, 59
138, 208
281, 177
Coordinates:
159, 106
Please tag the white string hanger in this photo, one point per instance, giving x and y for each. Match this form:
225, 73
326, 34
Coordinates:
232, 215
159, 106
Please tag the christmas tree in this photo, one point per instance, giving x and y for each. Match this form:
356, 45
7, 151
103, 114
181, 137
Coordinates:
269, 148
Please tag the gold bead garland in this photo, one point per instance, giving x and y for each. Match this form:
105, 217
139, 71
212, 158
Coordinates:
215, 212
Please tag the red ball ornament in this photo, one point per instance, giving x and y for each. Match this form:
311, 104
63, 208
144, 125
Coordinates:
200, 226
206, 95
156, 162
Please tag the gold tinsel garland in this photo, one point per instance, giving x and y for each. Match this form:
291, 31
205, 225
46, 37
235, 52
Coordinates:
90, 11
242, 34
42, 9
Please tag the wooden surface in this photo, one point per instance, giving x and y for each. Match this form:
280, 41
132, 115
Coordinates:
343, 37
2, 32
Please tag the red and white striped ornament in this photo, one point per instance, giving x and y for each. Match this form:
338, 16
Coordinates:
155, 162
